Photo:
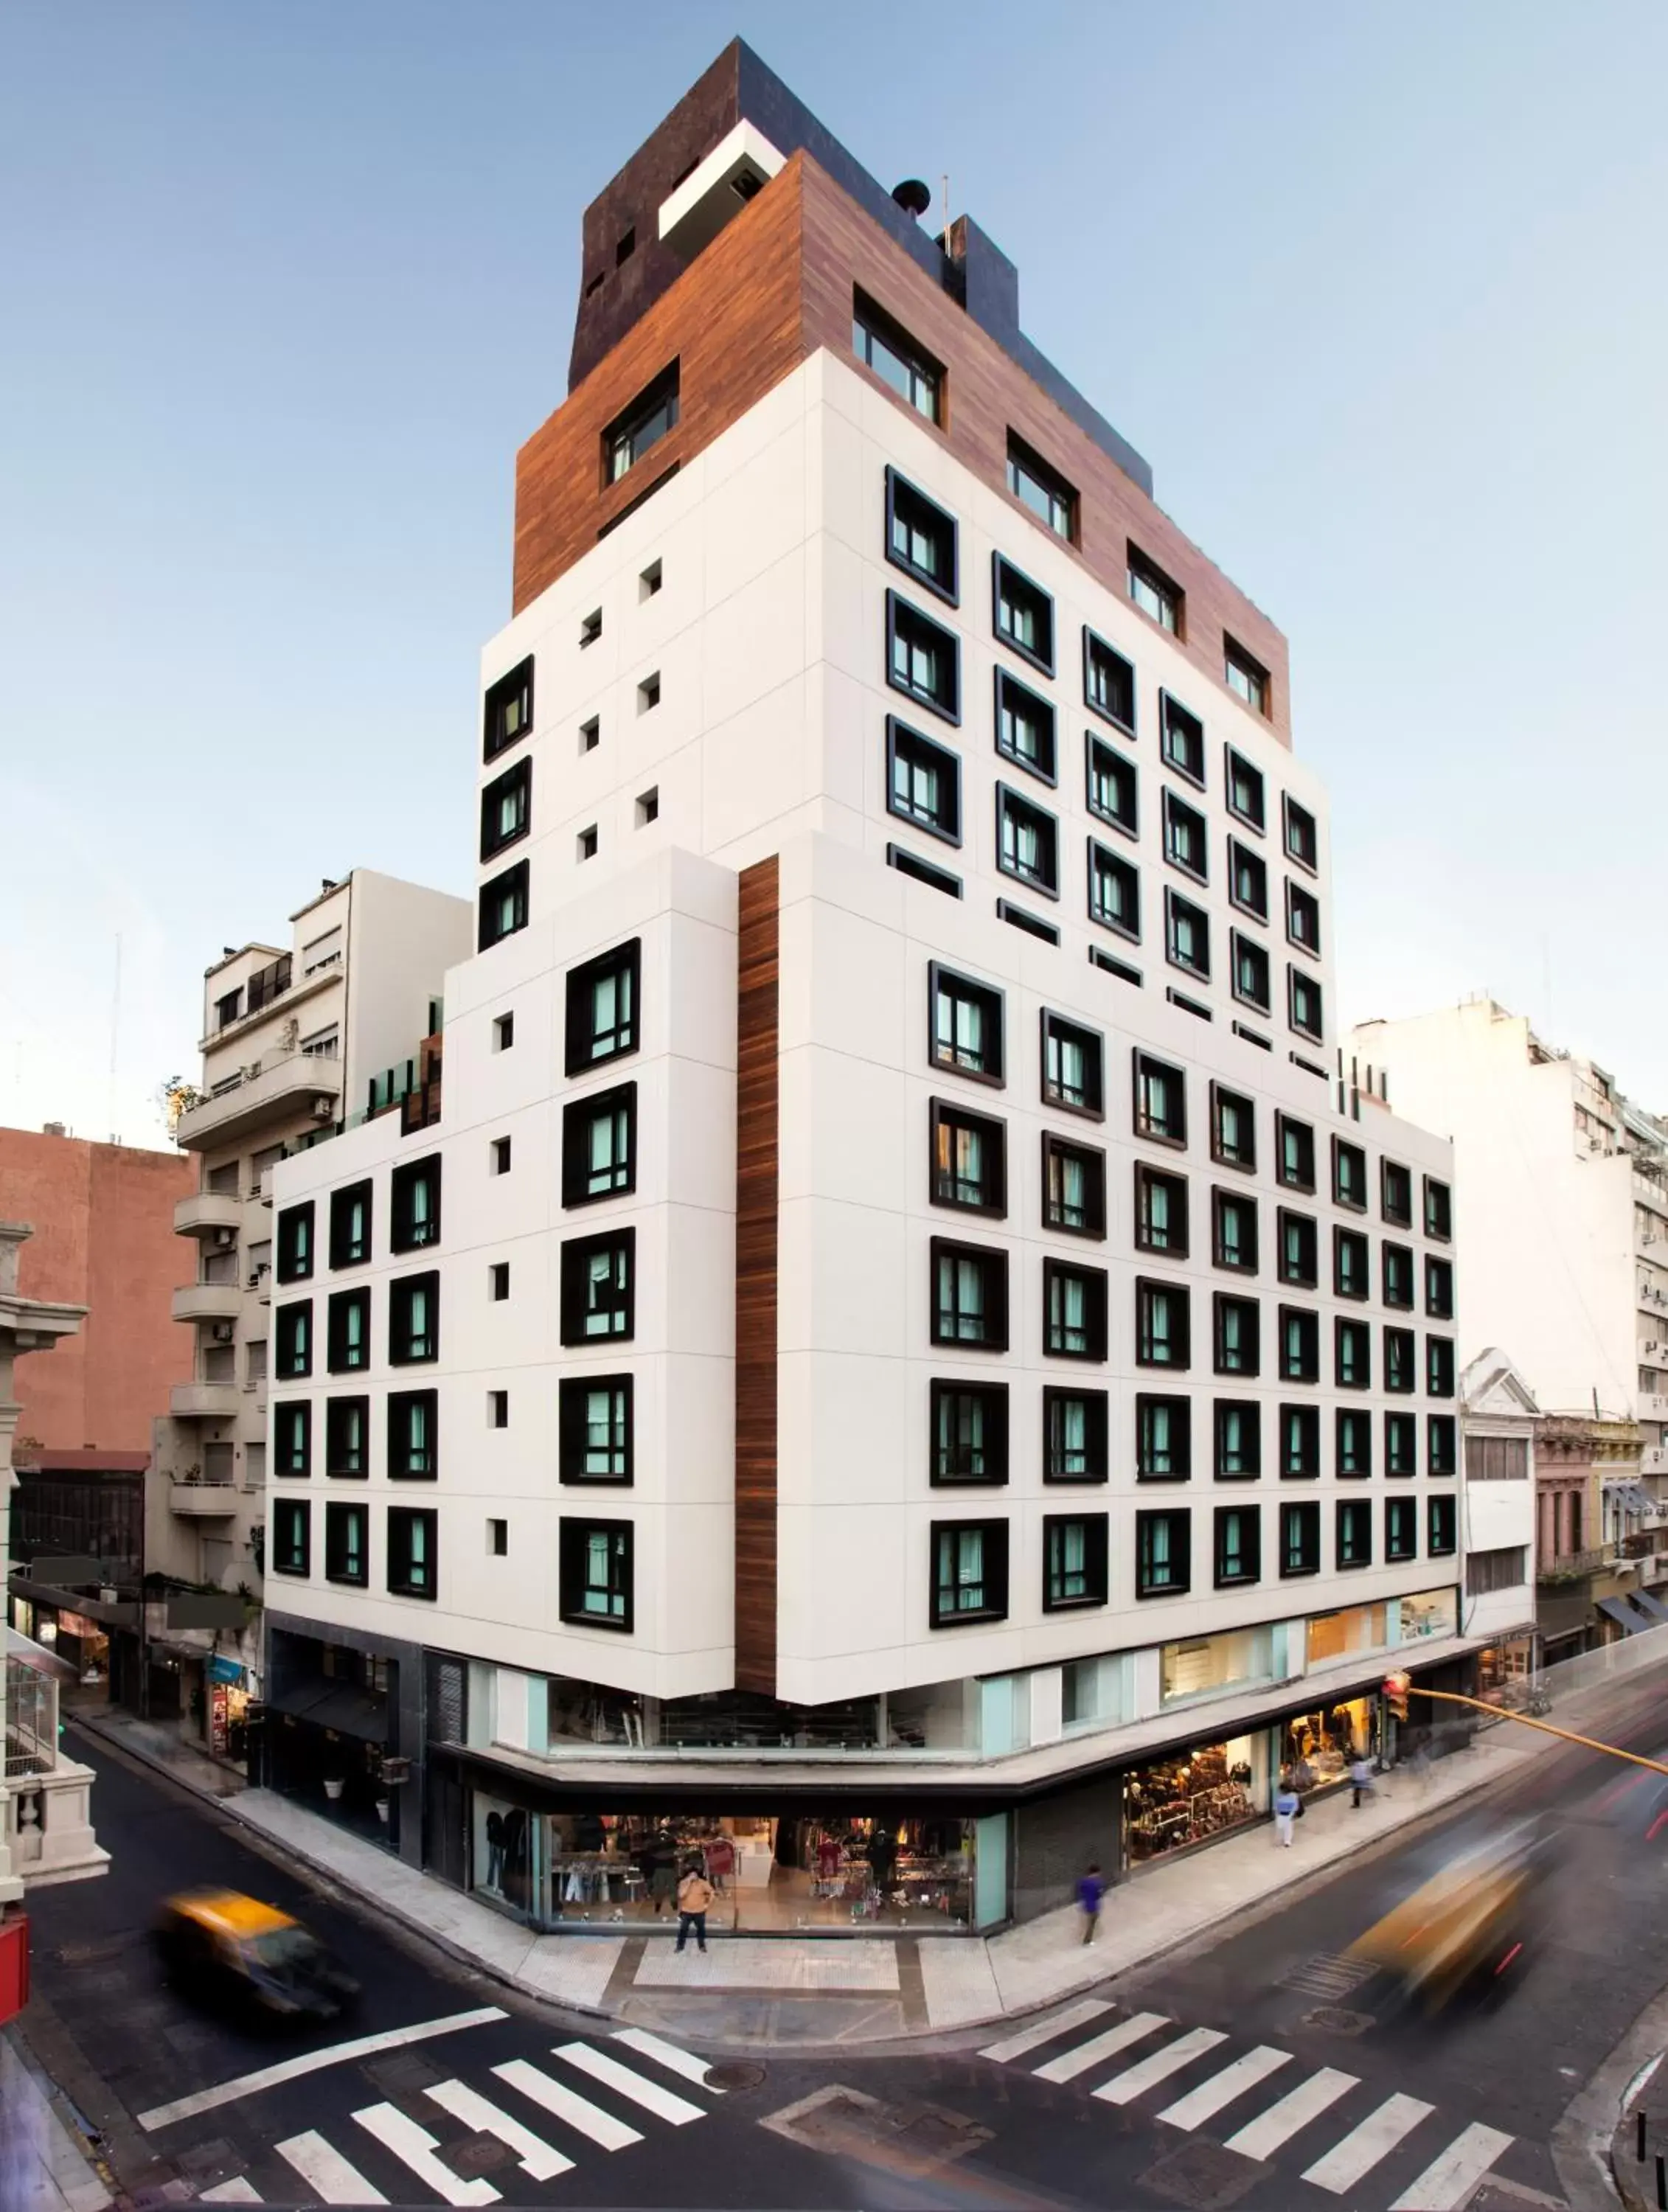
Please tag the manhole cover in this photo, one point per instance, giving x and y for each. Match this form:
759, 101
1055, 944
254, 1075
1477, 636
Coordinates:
732, 2075
407, 2076
478, 2154
1337, 2022
1202, 2176
1328, 1975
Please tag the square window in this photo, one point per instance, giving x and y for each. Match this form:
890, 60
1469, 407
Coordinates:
966, 1025
1072, 1067
1396, 1194
599, 1145
1303, 1005
1441, 1446
1161, 1101
923, 659
1245, 678
413, 1539
594, 1574
503, 1032
1401, 1362
598, 1288
498, 1536
1439, 1288
650, 417
1074, 1187
499, 1155
1352, 1269
1161, 1325
648, 807
1354, 1441
347, 1428
414, 1202
1354, 1532
590, 734
347, 1332
1073, 1435
1108, 682
970, 1432
1024, 614
1401, 1443
882, 345
649, 580
586, 843
1239, 1430
1302, 919
1162, 1562
970, 1296
413, 1319
1302, 836
1186, 844
503, 908
294, 1243
1114, 891
1158, 598
1161, 1212
498, 1280
1300, 1443
1295, 1143
350, 1226
292, 1536
1181, 740
346, 1543
293, 1337
921, 538
602, 1008
1401, 1528
1025, 727
1233, 1231
590, 628
1397, 1267
923, 783
1238, 1544
1439, 1527
1232, 1127
1163, 1439
413, 1428
1299, 1539
1111, 793
1439, 1367
1245, 791
497, 1409
596, 1428
509, 710
970, 1572
506, 809
1300, 1345
648, 693
1300, 1263
1074, 1561
1238, 1334
1438, 1210
1073, 1311
292, 1423
1250, 964
1248, 880
969, 1163
1350, 1174
1042, 489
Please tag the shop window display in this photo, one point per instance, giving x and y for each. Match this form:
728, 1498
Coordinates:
1200, 1794
1325, 1741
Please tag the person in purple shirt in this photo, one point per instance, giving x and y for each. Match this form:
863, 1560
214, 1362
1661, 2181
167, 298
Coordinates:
1090, 1888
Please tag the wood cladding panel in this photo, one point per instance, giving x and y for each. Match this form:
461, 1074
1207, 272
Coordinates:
756, 1185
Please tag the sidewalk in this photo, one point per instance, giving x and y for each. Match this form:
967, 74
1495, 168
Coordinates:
861, 1989
43, 2167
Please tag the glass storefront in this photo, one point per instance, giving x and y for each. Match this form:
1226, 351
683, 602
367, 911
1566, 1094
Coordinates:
1206, 1665
1506, 1671
1432, 1612
1325, 1741
1334, 1636
1198, 1794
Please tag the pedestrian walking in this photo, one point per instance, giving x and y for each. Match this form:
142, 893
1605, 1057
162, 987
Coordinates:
663, 1873
695, 1895
1361, 1778
1090, 1888
1287, 1807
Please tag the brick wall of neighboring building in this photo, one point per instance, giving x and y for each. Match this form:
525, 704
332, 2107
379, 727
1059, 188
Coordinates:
103, 1220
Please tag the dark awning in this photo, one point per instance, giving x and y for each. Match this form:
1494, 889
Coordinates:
1654, 1610
333, 1706
1624, 1614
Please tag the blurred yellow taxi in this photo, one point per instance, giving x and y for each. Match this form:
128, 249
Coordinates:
222, 1947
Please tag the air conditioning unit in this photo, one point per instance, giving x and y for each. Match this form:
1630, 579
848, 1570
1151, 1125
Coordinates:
254, 1279
324, 1110
224, 1332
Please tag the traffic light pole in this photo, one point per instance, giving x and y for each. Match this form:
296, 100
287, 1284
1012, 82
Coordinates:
1568, 1735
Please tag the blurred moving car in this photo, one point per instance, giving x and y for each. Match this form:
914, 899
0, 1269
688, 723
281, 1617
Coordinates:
223, 1948
1466, 1926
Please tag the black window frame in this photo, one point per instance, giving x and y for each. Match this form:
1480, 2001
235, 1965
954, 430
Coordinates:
1395, 1210
641, 425
1440, 1379
1301, 1272
1439, 1287
1224, 1096
1179, 813
1122, 772
292, 1456
1254, 902
292, 1341
577, 1117
1103, 863
339, 1411
992, 1584
1248, 1518
1441, 1444
1302, 988
402, 1230
1149, 1178
1010, 697
879, 327
1091, 1107
1401, 1513
1394, 1259
1058, 1273
1308, 1369
1401, 1363
991, 1001
1242, 1203
345, 1252
903, 616
1012, 803
1055, 1147
1173, 1131
1148, 1290
578, 986
1098, 653
516, 783
337, 1330
1441, 1527
1096, 1560
1301, 1425
1353, 1525
1352, 1262
992, 1259
1251, 973
1349, 1189
573, 1432
1181, 740
400, 1406
951, 1114
509, 885
1234, 764
1179, 1581
573, 1547
1299, 1519
901, 495
292, 1558
1225, 1305
1248, 1412
1096, 1449
902, 742
402, 1289
1438, 1210
341, 1513
992, 1400
1177, 1411
1300, 833
513, 689
1255, 690
1351, 1442
1141, 568
1024, 461
1005, 574
295, 1252
576, 1252
401, 1523
1401, 1443
1302, 919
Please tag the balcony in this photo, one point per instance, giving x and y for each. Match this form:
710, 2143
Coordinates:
1652, 1406
205, 1401
1575, 1566
203, 1501
206, 1211
1653, 1459
208, 1302
298, 1087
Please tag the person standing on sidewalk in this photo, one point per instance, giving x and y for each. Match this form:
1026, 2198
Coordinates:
1090, 1888
1361, 1778
695, 1895
1287, 1807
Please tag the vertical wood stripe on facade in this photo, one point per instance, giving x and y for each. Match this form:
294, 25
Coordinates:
756, 1185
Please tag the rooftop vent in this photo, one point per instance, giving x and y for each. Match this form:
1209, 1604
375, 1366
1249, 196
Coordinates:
913, 197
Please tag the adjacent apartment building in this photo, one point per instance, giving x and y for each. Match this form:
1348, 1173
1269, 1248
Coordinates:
900, 1367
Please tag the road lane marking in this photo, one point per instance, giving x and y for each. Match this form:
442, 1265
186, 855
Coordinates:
1060, 2023
1266, 2133
1449, 2180
327, 2171
578, 2112
1079, 2059
1203, 2103
312, 2062
1135, 2081
538, 2161
1350, 2160
415, 2148
663, 2103
668, 2055
237, 2190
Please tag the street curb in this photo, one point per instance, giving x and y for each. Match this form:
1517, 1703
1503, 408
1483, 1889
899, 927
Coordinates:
1634, 2177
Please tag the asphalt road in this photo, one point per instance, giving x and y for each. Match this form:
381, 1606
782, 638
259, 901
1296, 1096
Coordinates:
1261, 2070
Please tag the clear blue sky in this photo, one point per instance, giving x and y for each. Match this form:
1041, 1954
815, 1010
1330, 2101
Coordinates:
1377, 290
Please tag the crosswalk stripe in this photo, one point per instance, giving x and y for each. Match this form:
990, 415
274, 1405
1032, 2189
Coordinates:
415, 2147
1201, 2103
327, 2171
667, 2055
1135, 2081
1450, 2180
663, 2103
538, 2160
1079, 2059
1059, 2023
1348, 2161
237, 2190
1266, 2133
578, 2112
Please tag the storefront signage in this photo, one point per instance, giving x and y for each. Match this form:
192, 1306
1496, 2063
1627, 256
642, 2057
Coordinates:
222, 1669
